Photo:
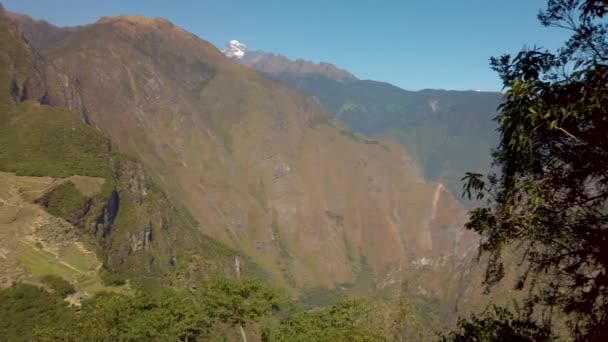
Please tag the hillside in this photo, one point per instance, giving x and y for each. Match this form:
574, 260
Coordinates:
447, 132
156, 188
261, 168
70, 204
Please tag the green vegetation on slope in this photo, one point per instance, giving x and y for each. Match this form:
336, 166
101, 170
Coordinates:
58, 285
25, 308
40, 140
64, 200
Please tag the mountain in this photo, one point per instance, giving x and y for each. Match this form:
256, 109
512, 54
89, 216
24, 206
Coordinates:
73, 206
235, 49
447, 132
270, 63
261, 168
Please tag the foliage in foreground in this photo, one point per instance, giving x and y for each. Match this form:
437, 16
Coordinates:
25, 308
30, 313
343, 321
500, 325
551, 198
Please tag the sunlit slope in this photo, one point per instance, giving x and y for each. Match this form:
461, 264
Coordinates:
260, 167
447, 133
87, 204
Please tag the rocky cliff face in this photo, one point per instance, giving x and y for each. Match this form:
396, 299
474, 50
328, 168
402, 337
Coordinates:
260, 167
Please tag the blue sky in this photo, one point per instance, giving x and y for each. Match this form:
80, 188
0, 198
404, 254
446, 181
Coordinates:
414, 44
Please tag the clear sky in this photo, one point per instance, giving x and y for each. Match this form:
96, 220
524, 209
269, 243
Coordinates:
414, 44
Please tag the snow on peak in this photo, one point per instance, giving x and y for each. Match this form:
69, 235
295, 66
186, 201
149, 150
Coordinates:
235, 49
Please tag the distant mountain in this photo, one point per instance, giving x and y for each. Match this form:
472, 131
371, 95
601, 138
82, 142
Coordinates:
447, 132
235, 49
275, 64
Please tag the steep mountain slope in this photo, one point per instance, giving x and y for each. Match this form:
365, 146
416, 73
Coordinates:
447, 132
83, 203
260, 167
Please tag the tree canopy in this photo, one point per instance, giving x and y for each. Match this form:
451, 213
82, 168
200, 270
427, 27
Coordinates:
211, 313
550, 198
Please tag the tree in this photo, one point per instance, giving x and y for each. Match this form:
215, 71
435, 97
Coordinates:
239, 303
25, 308
346, 320
499, 324
551, 197
166, 316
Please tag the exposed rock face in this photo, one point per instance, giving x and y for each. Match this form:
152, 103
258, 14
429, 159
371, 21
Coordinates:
260, 167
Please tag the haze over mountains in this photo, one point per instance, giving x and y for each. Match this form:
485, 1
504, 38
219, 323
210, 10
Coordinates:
201, 165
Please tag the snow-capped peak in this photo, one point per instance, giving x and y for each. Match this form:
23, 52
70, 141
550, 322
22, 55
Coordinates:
235, 49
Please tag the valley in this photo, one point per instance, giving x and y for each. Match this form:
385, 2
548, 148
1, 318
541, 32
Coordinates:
257, 169
446, 132
252, 176
155, 187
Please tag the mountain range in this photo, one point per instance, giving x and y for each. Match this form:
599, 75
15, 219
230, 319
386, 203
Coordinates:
165, 162
274, 64
257, 168
447, 132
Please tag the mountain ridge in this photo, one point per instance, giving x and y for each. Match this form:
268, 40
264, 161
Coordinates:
271, 63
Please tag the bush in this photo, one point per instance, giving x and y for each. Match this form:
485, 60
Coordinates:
60, 286
111, 279
64, 201
25, 308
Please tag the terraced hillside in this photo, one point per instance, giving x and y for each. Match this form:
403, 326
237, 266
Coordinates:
34, 243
